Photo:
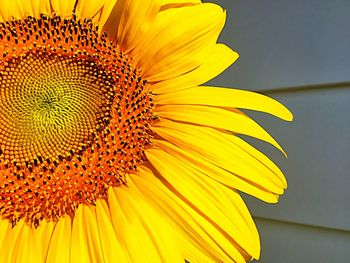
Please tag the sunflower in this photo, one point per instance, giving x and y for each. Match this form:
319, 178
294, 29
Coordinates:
110, 151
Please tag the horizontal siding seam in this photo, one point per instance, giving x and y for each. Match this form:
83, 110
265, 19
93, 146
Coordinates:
320, 227
337, 85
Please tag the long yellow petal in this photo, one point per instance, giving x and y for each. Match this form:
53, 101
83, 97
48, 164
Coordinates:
225, 97
105, 13
220, 58
62, 7
78, 245
112, 249
216, 173
212, 146
37, 7
218, 118
180, 41
59, 249
85, 242
131, 216
206, 196
167, 4
44, 236
129, 21
90, 9
27, 249
234, 141
203, 234
9, 246
180, 2
5, 230
15, 9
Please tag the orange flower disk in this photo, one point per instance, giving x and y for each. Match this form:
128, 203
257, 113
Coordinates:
65, 86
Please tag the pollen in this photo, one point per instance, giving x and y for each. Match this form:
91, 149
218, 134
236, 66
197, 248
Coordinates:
75, 117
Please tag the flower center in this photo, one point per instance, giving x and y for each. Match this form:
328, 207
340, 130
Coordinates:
74, 117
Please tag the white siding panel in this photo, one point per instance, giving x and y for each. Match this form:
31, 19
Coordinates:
292, 243
286, 43
318, 167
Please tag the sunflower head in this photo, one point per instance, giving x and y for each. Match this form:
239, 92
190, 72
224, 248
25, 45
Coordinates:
75, 116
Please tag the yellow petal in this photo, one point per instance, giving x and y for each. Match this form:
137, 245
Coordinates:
44, 236
5, 230
78, 244
90, 9
180, 41
28, 247
193, 227
235, 141
105, 12
216, 173
207, 197
225, 97
129, 21
217, 118
36, 8
144, 241
220, 58
210, 144
112, 250
85, 242
59, 249
166, 4
62, 7
180, 2
16, 9
9, 248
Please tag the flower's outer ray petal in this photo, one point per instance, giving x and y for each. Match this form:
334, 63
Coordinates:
31, 245
9, 247
78, 246
180, 41
247, 152
90, 9
46, 232
190, 249
224, 97
167, 4
220, 58
219, 118
62, 7
206, 196
112, 250
10, 9
59, 248
129, 21
97, 10
216, 173
235, 141
140, 229
192, 240
105, 12
23, 243
209, 144
194, 227
5, 230
85, 242
180, 2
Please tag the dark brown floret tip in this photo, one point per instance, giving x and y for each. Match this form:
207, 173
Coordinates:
74, 117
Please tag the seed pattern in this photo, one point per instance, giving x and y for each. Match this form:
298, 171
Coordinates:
75, 117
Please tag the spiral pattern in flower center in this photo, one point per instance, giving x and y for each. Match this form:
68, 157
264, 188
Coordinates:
74, 117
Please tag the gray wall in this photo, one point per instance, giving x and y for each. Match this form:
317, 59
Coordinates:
299, 52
